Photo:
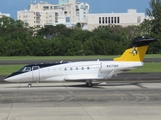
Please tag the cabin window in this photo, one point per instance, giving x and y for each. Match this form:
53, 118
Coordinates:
65, 69
88, 68
76, 68
82, 68
71, 68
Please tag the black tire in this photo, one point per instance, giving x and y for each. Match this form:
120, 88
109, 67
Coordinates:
89, 84
29, 85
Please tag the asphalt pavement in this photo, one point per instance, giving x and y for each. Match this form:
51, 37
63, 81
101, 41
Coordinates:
76, 101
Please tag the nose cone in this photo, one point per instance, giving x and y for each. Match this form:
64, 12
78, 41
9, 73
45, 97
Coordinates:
9, 79
5, 79
14, 77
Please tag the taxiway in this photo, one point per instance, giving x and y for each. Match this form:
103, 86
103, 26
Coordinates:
71, 101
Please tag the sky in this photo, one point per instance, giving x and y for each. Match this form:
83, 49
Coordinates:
96, 6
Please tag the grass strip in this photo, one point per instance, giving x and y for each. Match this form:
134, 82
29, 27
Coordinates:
70, 57
8, 69
55, 57
149, 67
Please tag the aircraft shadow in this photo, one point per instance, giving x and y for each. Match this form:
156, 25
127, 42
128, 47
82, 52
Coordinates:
99, 86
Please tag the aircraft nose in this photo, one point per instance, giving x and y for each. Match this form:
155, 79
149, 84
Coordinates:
7, 79
10, 79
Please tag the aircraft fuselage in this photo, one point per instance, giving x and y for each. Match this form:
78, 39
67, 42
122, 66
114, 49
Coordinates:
71, 71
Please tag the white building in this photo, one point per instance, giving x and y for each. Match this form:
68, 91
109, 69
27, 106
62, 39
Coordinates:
123, 19
68, 12
4, 14
82, 11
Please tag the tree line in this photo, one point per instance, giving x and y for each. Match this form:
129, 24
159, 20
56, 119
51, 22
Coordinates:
18, 39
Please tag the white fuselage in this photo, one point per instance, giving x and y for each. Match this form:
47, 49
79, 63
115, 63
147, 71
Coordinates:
74, 71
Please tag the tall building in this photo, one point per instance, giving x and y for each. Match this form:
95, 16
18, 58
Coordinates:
68, 12
82, 11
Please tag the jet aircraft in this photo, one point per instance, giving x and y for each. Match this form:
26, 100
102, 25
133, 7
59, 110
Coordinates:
86, 71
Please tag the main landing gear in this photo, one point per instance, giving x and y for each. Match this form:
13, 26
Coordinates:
29, 85
89, 84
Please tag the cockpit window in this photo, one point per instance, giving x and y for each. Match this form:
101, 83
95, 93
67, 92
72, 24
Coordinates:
25, 69
29, 68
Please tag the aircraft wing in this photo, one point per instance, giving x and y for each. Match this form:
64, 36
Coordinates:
81, 77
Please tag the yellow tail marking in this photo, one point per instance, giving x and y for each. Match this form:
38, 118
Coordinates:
133, 54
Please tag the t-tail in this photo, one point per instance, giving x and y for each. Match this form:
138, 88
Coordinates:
137, 50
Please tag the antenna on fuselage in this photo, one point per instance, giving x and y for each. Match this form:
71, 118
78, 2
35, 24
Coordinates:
61, 61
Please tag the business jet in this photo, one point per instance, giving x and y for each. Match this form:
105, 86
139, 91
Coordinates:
86, 71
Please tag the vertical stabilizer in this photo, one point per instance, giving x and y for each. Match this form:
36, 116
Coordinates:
137, 50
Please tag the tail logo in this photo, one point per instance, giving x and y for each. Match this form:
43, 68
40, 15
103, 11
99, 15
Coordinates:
134, 51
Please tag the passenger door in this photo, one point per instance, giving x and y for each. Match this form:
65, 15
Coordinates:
36, 73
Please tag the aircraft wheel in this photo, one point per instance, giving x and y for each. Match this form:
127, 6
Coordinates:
89, 84
29, 85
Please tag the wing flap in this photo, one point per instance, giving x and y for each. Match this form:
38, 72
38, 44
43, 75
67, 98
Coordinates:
110, 75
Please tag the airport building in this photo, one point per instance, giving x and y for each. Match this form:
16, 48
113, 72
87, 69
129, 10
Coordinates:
4, 14
123, 19
68, 12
